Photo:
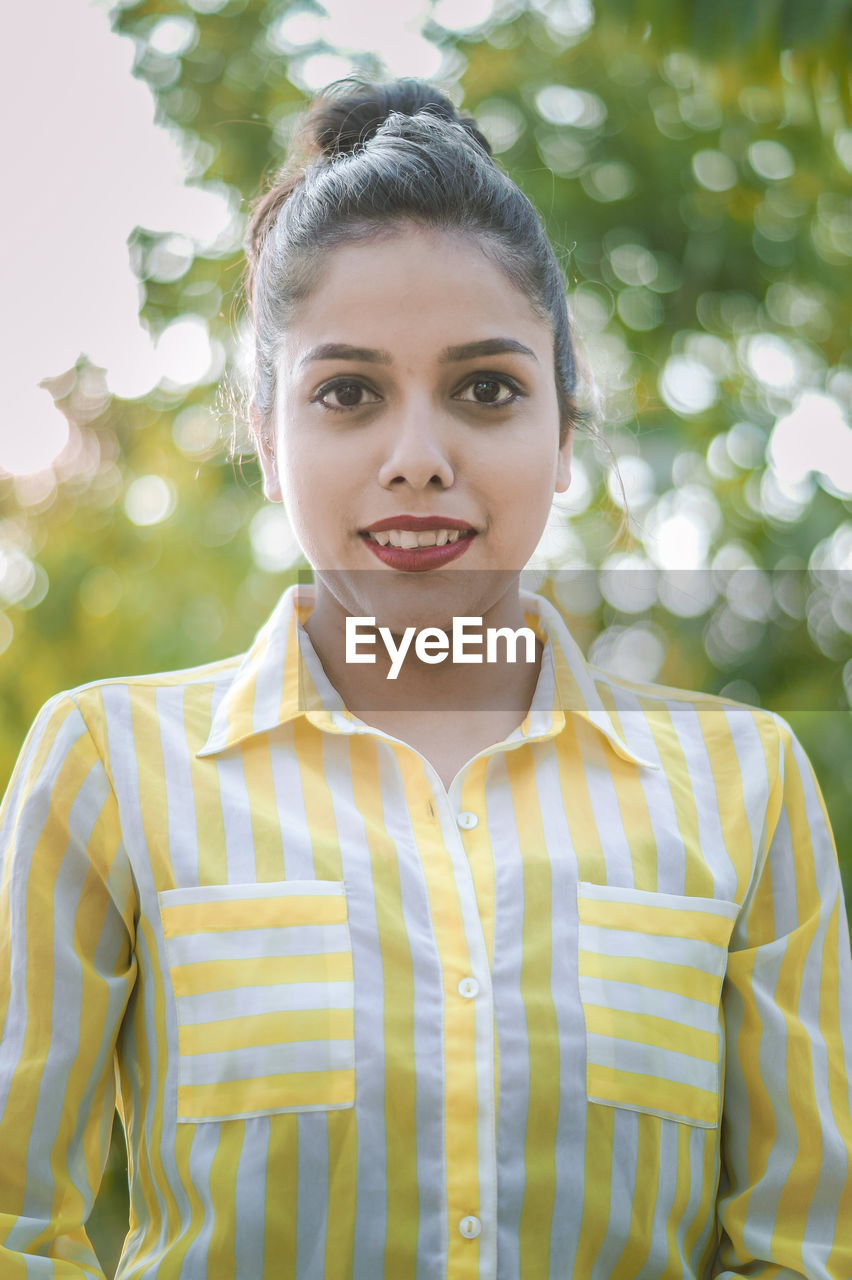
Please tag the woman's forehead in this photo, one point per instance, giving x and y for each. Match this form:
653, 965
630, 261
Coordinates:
420, 285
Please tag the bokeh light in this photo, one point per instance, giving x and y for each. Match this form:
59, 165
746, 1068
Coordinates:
149, 500
273, 542
814, 436
634, 652
714, 170
687, 386
771, 160
185, 353
560, 104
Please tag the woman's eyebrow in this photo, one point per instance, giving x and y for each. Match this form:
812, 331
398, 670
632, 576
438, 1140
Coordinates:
487, 347
452, 355
343, 351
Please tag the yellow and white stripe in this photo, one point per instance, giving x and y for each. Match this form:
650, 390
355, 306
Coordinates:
586, 1016
262, 983
651, 967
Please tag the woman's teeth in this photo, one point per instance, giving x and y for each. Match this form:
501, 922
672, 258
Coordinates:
407, 538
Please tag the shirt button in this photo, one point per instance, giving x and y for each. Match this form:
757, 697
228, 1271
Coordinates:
470, 1227
467, 820
468, 987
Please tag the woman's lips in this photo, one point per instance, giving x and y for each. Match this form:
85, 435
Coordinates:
416, 559
418, 524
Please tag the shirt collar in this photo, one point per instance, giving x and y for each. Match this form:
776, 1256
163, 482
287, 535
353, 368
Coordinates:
281, 677
573, 683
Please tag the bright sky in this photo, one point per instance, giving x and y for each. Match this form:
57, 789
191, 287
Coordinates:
84, 164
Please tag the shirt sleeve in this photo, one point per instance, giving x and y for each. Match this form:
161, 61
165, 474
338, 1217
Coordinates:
784, 1205
67, 967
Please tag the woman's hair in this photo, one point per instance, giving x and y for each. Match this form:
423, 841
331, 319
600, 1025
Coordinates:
372, 156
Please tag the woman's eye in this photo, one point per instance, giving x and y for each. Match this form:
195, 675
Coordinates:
345, 395
489, 391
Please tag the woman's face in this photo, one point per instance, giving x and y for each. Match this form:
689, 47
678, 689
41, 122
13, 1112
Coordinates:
416, 386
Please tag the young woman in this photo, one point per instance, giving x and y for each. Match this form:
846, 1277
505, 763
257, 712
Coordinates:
419, 967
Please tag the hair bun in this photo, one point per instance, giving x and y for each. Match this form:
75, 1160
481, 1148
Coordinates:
350, 112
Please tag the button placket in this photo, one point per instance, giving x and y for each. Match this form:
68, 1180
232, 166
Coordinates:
463, 1108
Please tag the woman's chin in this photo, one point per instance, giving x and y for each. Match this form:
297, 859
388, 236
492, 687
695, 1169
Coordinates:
399, 600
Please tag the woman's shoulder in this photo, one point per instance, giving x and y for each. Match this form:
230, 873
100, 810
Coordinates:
674, 726
649, 693
116, 708
147, 684
181, 677
693, 721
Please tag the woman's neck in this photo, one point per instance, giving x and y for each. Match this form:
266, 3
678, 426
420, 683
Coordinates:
400, 682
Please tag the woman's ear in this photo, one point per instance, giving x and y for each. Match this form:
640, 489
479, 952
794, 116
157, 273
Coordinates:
264, 438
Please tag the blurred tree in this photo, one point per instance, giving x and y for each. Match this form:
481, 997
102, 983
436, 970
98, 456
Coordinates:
693, 164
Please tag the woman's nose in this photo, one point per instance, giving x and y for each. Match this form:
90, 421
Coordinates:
417, 452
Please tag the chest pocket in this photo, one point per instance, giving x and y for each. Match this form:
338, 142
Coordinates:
262, 979
651, 967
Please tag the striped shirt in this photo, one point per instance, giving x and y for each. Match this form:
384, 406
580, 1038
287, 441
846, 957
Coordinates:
585, 1016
